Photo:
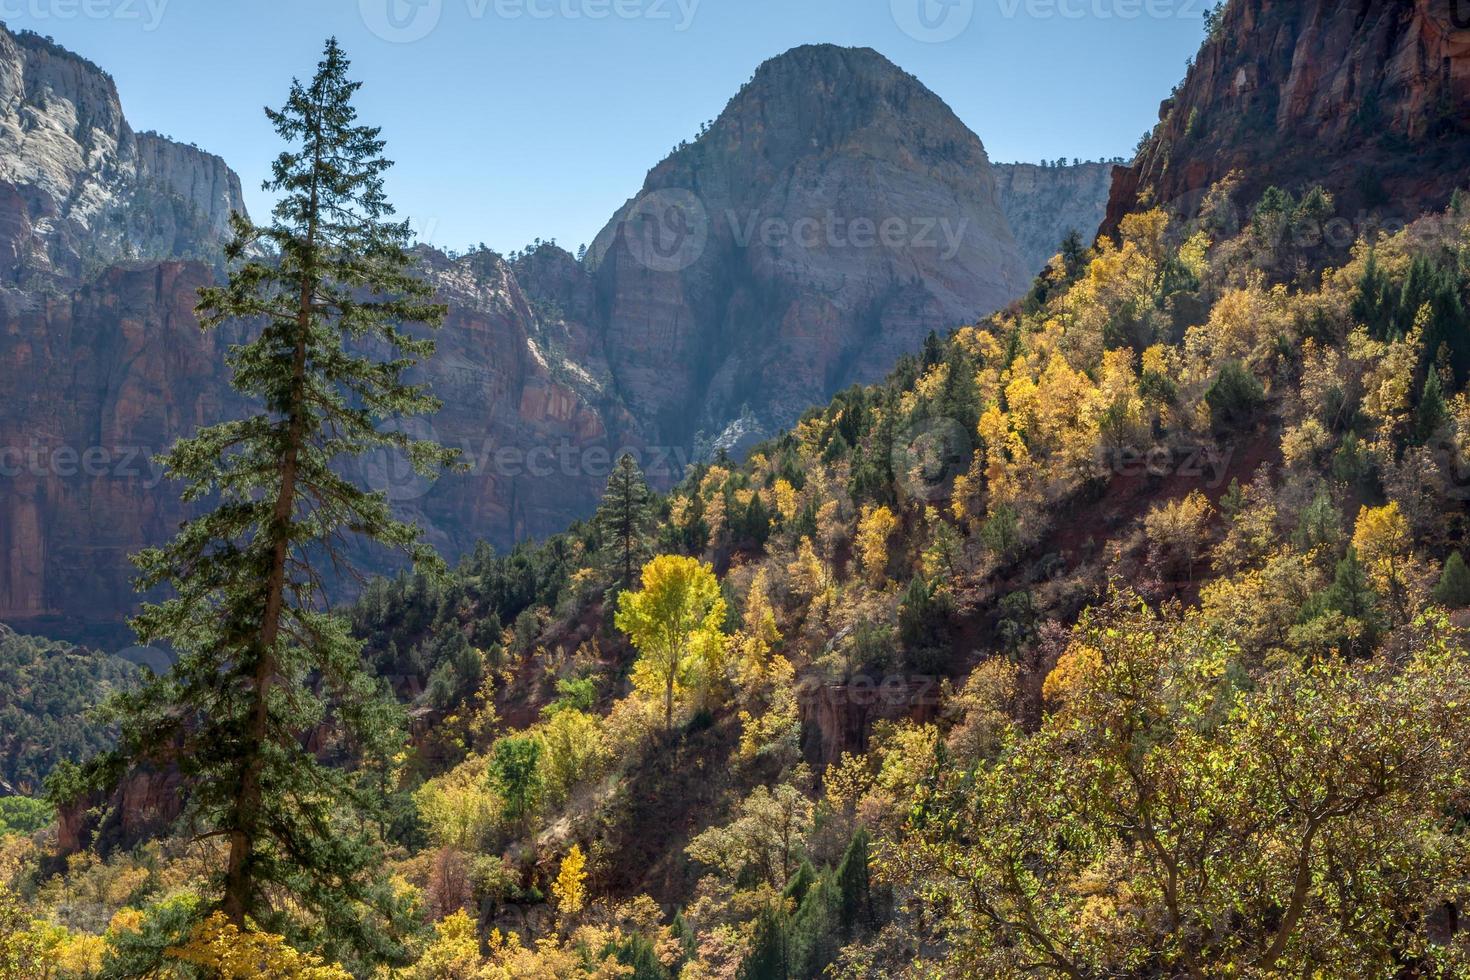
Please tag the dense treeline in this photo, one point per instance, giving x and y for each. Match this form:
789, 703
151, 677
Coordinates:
45, 691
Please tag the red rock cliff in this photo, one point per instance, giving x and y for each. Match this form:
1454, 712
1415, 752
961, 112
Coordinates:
1370, 98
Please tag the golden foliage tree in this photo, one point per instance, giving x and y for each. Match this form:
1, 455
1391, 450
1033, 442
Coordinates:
570, 887
676, 623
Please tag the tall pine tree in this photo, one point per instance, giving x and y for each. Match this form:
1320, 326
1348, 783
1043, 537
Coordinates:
623, 522
262, 663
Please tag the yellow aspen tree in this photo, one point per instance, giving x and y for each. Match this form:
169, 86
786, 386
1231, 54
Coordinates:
1384, 544
874, 530
570, 887
674, 621
1176, 531
785, 500
224, 952
1008, 462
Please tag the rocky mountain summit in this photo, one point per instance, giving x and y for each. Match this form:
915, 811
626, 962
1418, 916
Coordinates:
832, 216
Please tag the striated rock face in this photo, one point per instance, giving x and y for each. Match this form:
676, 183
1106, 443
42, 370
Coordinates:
94, 383
100, 379
1045, 204
834, 214
1369, 98
79, 188
528, 401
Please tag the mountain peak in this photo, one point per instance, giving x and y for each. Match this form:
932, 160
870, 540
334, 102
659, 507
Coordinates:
779, 284
94, 187
830, 59
826, 92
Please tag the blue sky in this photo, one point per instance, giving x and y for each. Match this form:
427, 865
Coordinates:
516, 119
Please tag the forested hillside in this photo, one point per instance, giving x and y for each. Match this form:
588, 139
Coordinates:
45, 688
1122, 633
1119, 634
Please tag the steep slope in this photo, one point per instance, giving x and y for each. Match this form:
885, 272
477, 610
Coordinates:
1043, 204
1364, 97
834, 214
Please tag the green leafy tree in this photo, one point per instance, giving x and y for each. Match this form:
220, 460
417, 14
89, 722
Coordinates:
1432, 412
1374, 305
262, 663
1166, 822
515, 771
855, 909
768, 958
24, 815
1234, 396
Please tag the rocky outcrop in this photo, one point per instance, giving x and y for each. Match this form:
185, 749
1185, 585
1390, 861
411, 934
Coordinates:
79, 189
834, 214
1370, 99
144, 805
838, 718
1043, 204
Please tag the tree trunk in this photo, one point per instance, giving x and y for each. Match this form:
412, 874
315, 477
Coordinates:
239, 875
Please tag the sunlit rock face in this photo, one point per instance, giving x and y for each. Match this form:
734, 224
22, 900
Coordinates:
1369, 99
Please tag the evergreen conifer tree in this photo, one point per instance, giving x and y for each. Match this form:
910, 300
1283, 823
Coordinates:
1453, 590
325, 289
623, 521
